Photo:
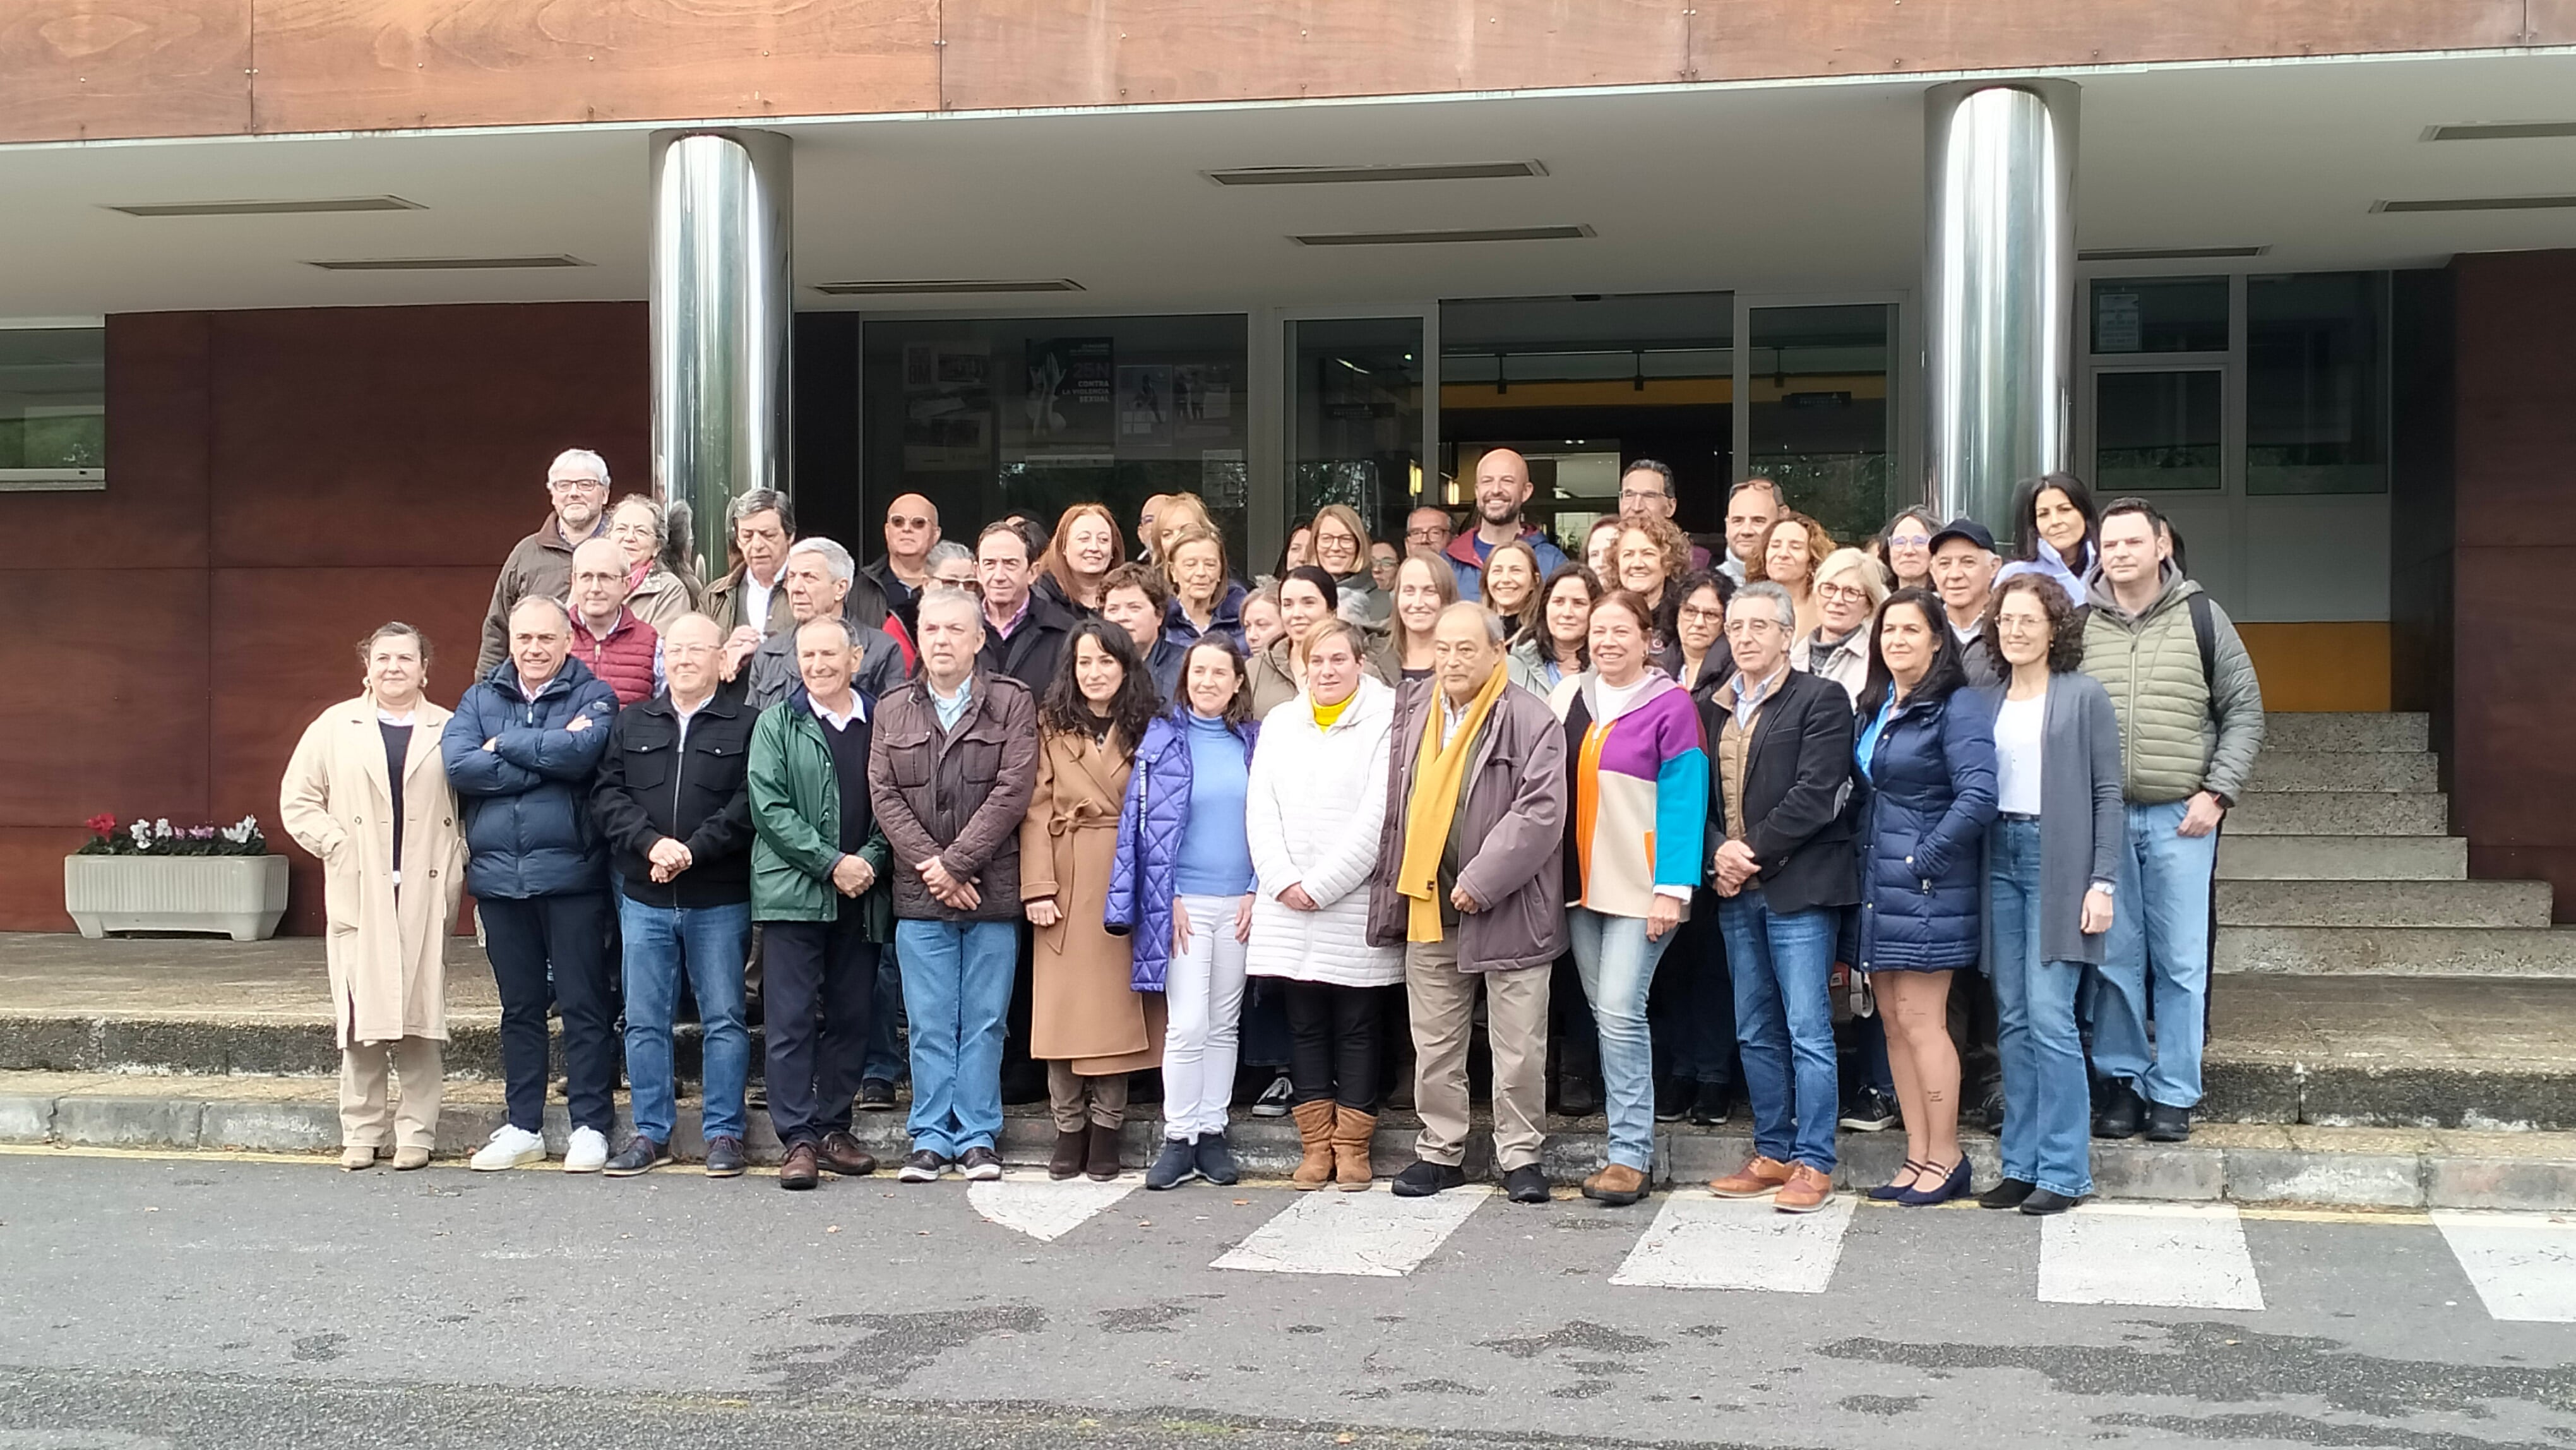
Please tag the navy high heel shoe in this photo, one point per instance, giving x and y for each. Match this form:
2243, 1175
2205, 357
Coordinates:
1889, 1192
1953, 1186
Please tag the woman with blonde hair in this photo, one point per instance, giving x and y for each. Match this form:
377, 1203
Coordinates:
1509, 587
1079, 557
1791, 549
1849, 587
657, 593
1341, 544
366, 790
1180, 513
1650, 555
1204, 600
1424, 585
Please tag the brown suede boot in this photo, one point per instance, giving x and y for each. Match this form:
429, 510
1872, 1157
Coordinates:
1067, 1159
1351, 1132
1101, 1164
1315, 1133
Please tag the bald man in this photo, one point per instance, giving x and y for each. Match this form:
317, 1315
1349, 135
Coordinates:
1502, 490
619, 648
911, 527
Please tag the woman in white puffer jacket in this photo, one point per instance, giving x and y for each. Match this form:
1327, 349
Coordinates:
1315, 802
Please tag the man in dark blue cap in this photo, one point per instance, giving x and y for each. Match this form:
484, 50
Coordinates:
1963, 574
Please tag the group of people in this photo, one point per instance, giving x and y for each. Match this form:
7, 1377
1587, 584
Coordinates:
1108, 814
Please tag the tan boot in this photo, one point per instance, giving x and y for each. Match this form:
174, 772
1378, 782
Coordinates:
1315, 1133
1352, 1130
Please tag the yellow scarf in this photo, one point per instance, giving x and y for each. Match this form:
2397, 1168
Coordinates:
1439, 772
1325, 715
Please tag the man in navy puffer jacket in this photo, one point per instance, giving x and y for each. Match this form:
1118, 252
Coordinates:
521, 751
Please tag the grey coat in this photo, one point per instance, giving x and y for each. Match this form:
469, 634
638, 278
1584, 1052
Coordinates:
2081, 815
772, 667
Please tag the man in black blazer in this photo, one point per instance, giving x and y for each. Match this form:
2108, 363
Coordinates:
1780, 758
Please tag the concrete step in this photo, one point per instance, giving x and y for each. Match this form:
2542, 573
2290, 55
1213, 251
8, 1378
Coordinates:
2341, 813
2343, 770
2296, 730
2342, 858
2361, 904
2418, 952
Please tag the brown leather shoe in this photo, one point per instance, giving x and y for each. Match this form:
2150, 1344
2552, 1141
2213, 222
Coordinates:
1100, 1161
1315, 1135
1806, 1191
1352, 1130
801, 1170
1759, 1176
1065, 1160
1617, 1185
842, 1154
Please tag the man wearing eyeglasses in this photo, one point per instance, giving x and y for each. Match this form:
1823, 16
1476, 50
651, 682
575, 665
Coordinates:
911, 531
1427, 528
540, 565
1646, 492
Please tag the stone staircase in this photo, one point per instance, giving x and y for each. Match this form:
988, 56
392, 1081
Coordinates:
2337, 863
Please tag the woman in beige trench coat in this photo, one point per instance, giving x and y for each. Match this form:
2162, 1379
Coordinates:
1087, 1021
389, 915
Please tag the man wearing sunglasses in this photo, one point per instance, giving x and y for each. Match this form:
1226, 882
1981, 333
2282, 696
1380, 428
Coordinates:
541, 564
911, 531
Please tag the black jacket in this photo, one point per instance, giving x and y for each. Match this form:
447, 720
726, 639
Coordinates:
1795, 785
651, 787
876, 593
1031, 655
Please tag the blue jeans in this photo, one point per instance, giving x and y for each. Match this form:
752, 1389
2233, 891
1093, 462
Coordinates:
708, 943
2156, 957
1617, 964
956, 991
1784, 1025
885, 1023
2047, 1097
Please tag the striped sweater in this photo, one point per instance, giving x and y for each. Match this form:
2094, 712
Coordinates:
1640, 796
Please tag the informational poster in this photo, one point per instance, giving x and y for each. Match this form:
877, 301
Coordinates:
1147, 410
1203, 392
2115, 322
947, 407
1071, 399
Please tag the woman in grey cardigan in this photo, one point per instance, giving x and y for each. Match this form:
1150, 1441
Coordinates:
2050, 861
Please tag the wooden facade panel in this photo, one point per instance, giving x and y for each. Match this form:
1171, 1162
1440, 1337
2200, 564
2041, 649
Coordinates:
31, 876
2513, 370
87, 70
370, 64
109, 712
415, 436
1008, 53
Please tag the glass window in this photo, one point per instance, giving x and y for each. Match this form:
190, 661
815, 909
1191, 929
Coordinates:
1819, 421
53, 404
2155, 430
987, 416
1355, 418
2316, 383
2159, 314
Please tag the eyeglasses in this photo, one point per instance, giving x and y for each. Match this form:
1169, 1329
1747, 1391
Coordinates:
576, 485
1424, 535
1851, 592
1693, 614
898, 521
1637, 495
1754, 626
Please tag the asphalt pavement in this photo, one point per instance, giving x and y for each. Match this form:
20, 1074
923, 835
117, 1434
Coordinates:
194, 1300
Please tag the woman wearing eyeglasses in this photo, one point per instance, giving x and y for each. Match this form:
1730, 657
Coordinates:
1908, 538
1850, 585
1342, 550
1699, 629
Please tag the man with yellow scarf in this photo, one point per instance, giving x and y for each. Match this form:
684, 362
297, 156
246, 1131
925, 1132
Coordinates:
1475, 832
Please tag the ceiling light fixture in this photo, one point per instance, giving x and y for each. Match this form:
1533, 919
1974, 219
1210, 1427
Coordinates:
1337, 175
2166, 254
2479, 203
2500, 131
1453, 234
306, 207
444, 264
942, 286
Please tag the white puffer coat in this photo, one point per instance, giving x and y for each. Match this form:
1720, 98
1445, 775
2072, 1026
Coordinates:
1316, 802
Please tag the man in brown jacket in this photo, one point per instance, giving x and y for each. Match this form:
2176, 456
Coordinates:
541, 563
949, 776
1471, 883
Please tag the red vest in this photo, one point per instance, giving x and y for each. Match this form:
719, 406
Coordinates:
624, 659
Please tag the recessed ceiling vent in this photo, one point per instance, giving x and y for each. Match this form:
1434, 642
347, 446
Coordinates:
308, 206
1453, 234
1338, 175
445, 264
947, 286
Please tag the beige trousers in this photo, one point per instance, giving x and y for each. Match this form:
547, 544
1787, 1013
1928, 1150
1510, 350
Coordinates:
1443, 1000
1076, 1100
369, 1109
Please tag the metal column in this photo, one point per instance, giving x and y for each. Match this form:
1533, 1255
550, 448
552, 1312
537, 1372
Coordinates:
1998, 284
722, 310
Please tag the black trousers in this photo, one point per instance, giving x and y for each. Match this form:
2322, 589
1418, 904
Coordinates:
1333, 1042
1690, 1011
570, 934
819, 988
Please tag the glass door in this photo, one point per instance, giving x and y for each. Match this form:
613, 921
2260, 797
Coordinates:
1356, 420
1820, 415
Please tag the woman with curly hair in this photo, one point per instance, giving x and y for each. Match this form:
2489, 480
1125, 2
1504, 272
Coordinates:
1650, 555
1792, 548
1087, 1022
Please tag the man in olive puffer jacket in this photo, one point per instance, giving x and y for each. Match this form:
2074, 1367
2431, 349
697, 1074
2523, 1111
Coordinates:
2191, 720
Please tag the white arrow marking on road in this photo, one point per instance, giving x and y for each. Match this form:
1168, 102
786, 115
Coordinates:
1373, 1234
2169, 1255
2523, 1264
1041, 1207
1700, 1241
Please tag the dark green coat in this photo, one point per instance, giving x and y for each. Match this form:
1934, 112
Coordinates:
796, 825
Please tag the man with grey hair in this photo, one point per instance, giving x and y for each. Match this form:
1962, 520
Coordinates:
1780, 751
1470, 883
541, 563
817, 579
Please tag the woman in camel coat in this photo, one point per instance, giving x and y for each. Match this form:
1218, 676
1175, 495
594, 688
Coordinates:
393, 861
1087, 1021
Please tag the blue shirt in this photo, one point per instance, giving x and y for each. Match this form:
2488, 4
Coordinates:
950, 711
1867, 745
1215, 858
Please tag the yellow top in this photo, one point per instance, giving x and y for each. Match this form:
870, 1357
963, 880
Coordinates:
1325, 714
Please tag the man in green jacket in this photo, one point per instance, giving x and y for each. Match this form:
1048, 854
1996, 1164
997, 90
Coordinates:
2191, 720
818, 884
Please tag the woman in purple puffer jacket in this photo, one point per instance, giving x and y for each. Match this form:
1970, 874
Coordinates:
1181, 886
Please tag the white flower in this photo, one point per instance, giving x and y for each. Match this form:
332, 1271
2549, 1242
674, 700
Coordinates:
142, 836
161, 828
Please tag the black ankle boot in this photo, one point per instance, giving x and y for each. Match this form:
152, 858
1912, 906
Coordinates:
2121, 1109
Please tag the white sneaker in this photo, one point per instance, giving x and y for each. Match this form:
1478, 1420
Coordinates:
587, 1152
509, 1148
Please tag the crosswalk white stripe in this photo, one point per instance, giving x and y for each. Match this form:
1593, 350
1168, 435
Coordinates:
1700, 1241
1029, 1202
2169, 1255
1373, 1234
2523, 1264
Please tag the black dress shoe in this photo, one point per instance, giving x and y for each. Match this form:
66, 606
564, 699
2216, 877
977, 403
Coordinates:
2042, 1203
724, 1157
1576, 1097
2119, 1113
1423, 1178
801, 1170
641, 1155
1712, 1105
842, 1154
1991, 1107
2007, 1194
876, 1095
1673, 1099
1525, 1184
2168, 1125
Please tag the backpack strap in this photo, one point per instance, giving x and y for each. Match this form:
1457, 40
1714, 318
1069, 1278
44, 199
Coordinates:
2204, 631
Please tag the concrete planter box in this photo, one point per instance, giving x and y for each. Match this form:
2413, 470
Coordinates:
239, 896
